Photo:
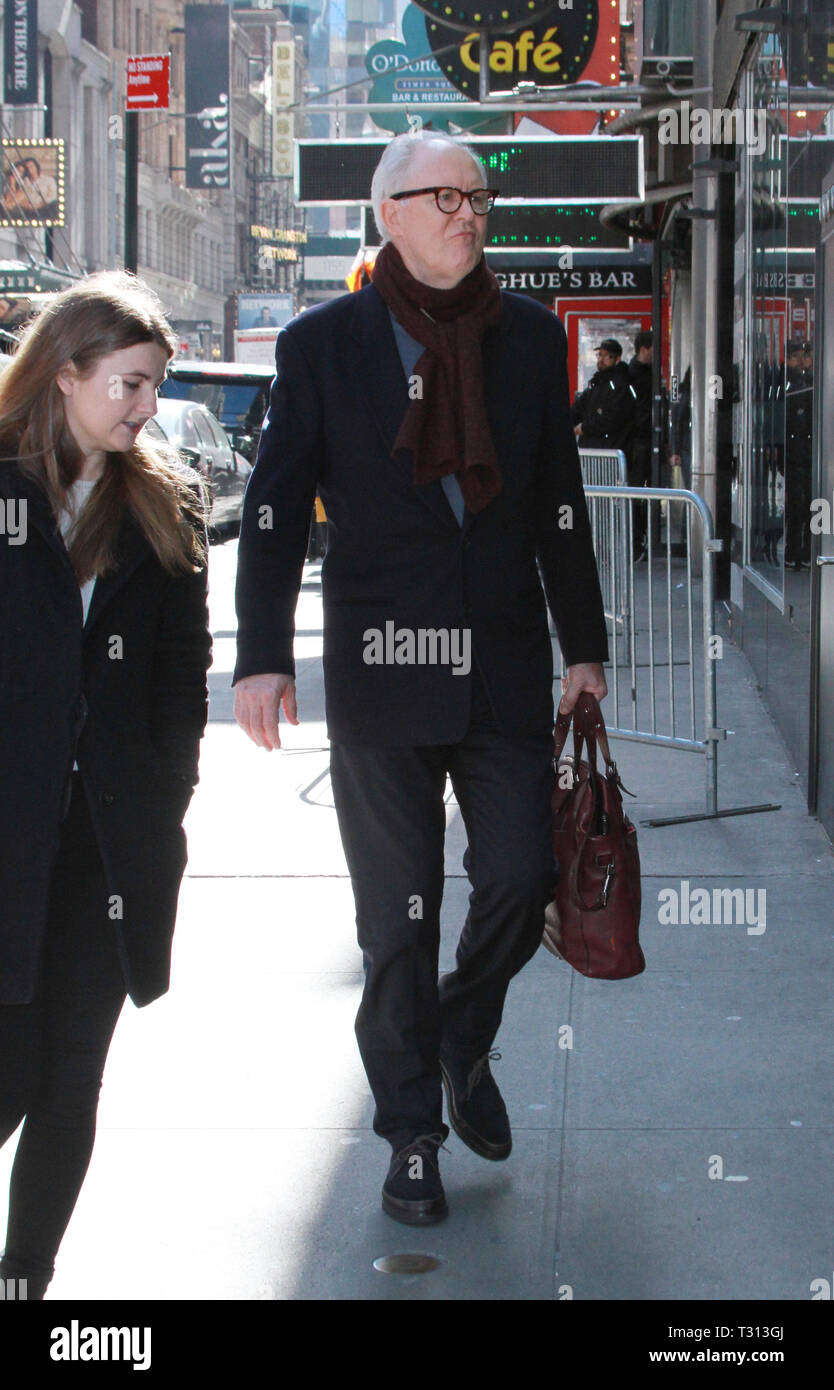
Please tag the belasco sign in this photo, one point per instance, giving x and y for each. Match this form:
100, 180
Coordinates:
599, 279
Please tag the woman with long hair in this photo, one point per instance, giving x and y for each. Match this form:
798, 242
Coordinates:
104, 648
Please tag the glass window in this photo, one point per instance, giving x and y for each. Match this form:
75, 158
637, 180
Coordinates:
667, 29
239, 406
201, 428
788, 146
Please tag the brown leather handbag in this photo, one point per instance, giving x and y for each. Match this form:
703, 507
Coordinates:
594, 919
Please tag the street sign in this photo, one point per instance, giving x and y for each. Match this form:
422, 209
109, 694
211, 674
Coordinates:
148, 82
283, 99
406, 72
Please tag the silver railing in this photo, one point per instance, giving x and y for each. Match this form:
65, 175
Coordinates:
603, 467
661, 612
607, 467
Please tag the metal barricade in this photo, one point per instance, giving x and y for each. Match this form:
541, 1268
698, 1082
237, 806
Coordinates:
651, 632
603, 467
607, 467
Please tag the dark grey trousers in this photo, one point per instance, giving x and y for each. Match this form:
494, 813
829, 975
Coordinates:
391, 812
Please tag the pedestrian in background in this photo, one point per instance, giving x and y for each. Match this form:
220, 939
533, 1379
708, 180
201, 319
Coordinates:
431, 412
103, 701
603, 414
639, 457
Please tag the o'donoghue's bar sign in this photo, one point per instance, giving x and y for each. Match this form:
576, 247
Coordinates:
20, 52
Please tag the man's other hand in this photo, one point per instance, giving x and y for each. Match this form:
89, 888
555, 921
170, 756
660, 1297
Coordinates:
257, 702
588, 676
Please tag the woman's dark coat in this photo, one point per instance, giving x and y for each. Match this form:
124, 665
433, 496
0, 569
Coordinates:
125, 696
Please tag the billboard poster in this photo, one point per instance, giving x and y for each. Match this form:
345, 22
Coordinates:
207, 96
264, 310
32, 175
20, 52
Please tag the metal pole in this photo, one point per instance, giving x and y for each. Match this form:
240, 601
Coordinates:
657, 356
48, 238
483, 67
710, 711
131, 190
703, 280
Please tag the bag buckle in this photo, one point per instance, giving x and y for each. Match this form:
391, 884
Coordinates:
609, 874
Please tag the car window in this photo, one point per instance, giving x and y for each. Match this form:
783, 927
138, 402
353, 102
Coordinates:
201, 429
214, 429
240, 406
184, 430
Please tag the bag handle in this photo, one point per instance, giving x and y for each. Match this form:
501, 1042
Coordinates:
592, 725
588, 724
581, 732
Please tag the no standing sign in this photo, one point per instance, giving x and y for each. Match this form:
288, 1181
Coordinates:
148, 82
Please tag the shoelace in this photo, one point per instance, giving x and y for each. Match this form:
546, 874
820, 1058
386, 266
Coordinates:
422, 1139
480, 1067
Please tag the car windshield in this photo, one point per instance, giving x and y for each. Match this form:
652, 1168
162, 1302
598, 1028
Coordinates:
239, 406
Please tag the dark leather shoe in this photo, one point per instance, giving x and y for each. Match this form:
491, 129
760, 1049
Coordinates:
412, 1192
477, 1112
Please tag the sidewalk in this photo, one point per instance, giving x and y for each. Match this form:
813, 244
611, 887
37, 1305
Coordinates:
236, 1159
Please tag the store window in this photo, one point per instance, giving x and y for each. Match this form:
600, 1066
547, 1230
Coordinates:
667, 29
789, 142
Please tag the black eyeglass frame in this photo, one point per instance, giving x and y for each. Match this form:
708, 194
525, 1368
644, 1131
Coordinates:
450, 212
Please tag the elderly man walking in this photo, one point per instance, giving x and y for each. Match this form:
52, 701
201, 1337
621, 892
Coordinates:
430, 412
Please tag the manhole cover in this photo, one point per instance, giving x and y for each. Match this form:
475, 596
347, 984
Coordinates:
405, 1264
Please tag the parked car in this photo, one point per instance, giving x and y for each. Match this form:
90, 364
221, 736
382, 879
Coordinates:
201, 439
237, 393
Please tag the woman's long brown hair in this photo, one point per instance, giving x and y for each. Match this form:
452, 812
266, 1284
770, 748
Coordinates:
103, 313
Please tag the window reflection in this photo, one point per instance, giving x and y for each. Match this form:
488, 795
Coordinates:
779, 179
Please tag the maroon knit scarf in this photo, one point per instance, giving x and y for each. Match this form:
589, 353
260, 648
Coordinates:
447, 429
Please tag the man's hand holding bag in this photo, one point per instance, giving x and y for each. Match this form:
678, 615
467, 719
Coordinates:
594, 919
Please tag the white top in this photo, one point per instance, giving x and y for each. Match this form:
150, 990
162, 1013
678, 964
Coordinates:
78, 495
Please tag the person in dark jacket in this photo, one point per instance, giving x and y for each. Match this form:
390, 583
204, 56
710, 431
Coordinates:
603, 414
430, 412
103, 699
639, 458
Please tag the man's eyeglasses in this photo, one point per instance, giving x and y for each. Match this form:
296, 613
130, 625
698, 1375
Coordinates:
449, 200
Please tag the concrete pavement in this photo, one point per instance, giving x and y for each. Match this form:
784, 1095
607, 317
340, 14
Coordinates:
235, 1157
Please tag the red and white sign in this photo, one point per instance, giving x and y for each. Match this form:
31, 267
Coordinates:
148, 81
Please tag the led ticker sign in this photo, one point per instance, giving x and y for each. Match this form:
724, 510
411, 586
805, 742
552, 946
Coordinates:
553, 226
584, 169
534, 228
803, 165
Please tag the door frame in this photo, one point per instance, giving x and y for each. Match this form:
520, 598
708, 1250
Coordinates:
822, 486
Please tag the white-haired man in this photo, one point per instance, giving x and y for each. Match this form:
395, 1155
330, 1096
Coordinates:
431, 413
